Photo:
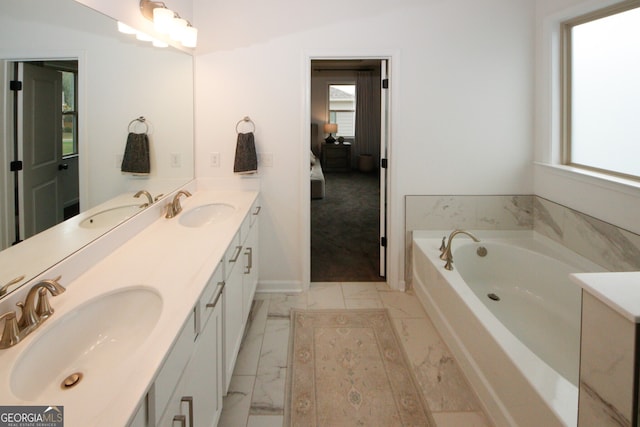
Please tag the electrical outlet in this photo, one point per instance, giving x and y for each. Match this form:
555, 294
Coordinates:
176, 160
215, 160
266, 160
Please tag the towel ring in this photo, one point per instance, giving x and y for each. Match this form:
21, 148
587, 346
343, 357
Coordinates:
247, 120
140, 119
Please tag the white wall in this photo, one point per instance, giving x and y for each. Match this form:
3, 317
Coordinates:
616, 202
462, 102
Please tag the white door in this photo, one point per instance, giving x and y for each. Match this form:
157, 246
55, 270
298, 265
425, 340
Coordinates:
384, 141
41, 118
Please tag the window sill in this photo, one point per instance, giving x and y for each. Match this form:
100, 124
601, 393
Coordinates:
609, 182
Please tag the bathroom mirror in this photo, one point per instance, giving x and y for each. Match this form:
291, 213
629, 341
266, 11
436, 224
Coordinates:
118, 80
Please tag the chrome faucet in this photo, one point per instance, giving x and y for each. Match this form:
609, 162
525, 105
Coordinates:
446, 254
32, 314
146, 193
174, 207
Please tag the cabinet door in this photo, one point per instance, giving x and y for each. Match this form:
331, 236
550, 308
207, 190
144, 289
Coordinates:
250, 268
197, 398
233, 312
204, 374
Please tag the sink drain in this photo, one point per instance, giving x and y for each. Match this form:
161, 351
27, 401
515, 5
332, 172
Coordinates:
493, 297
71, 381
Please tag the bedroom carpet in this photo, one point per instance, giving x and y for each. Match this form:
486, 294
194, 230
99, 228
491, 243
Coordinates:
347, 368
345, 229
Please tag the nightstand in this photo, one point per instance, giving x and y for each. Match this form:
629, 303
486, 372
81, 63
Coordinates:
336, 157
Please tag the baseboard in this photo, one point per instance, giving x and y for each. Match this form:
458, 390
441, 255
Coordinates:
279, 286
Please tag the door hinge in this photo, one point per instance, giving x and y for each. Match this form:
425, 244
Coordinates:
383, 163
385, 83
15, 85
383, 242
15, 166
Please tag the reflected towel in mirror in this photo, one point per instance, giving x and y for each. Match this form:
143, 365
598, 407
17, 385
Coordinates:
136, 158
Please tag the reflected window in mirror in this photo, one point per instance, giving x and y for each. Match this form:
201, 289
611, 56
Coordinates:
69, 113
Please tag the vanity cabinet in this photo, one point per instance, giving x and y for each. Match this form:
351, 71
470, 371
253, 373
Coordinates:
241, 272
196, 397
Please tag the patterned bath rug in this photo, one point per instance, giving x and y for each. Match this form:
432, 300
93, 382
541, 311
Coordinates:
348, 368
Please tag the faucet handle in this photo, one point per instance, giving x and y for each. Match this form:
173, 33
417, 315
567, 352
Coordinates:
10, 333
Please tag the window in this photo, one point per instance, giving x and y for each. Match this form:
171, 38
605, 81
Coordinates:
602, 91
342, 109
69, 114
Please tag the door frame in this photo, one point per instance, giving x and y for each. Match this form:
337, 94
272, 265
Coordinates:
7, 58
305, 132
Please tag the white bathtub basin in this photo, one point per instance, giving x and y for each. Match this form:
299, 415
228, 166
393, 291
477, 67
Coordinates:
84, 347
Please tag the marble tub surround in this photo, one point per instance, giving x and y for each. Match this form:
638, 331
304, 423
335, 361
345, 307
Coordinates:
446, 392
605, 244
448, 212
609, 345
175, 261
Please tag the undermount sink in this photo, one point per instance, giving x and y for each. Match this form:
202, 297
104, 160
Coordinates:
79, 352
206, 214
111, 217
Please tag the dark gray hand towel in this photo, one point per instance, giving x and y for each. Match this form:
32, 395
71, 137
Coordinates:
136, 157
246, 160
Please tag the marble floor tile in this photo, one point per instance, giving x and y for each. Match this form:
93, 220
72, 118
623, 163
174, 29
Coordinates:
280, 305
265, 421
323, 295
458, 419
402, 304
275, 347
249, 355
236, 404
363, 303
442, 383
268, 393
357, 290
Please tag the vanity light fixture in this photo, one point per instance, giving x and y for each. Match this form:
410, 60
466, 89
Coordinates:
166, 21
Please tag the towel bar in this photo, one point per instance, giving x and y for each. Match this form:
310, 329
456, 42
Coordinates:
247, 120
140, 119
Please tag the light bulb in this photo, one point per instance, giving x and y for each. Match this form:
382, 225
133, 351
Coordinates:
125, 29
177, 27
190, 37
143, 37
163, 19
159, 43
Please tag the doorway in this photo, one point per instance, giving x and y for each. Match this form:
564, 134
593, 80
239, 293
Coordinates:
44, 151
348, 208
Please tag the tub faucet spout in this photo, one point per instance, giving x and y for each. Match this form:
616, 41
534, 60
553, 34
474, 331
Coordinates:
447, 256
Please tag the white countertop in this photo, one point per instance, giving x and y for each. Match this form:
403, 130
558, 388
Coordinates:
173, 259
619, 290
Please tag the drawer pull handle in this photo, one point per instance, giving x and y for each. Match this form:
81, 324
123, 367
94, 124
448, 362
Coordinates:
217, 295
249, 253
257, 211
181, 419
235, 256
189, 400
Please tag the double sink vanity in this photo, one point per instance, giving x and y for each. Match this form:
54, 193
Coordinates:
150, 324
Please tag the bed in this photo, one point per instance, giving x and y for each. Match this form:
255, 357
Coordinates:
317, 176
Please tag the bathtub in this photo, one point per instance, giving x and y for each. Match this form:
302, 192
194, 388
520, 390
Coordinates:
511, 319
